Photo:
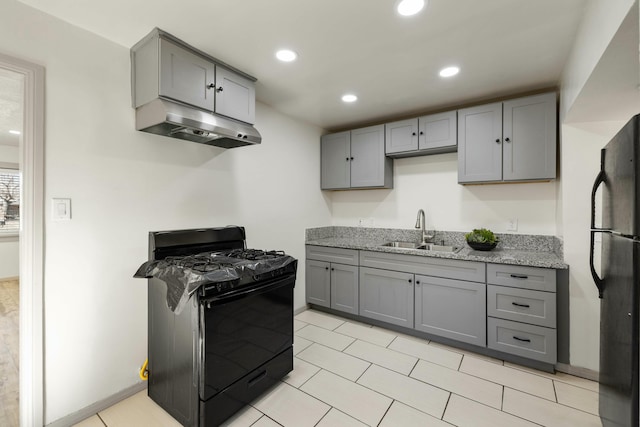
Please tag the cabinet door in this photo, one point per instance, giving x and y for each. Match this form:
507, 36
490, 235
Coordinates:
438, 131
335, 161
185, 76
480, 143
317, 283
386, 296
530, 138
401, 136
451, 308
344, 288
235, 96
369, 166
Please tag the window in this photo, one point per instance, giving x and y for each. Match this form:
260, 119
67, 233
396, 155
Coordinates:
9, 201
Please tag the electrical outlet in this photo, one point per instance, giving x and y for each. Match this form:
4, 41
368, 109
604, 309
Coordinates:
512, 225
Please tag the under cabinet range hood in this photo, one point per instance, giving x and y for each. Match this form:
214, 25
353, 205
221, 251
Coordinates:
168, 118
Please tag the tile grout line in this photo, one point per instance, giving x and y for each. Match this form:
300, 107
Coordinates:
101, 420
547, 400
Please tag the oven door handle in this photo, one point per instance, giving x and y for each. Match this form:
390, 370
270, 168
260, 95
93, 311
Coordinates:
248, 292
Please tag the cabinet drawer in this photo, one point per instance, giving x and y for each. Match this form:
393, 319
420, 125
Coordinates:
533, 342
429, 266
339, 255
539, 279
522, 305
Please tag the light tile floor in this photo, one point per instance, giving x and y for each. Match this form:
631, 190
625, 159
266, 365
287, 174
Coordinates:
9, 321
351, 374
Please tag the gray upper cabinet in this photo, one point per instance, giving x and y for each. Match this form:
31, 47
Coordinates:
235, 96
185, 76
530, 129
480, 143
507, 141
355, 159
166, 67
335, 166
432, 134
401, 136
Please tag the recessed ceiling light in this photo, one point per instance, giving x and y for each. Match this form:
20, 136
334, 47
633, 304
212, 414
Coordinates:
409, 7
15, 132
349, 98
286, 55
449, 71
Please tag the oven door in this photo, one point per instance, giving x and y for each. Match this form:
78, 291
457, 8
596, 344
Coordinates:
242, 331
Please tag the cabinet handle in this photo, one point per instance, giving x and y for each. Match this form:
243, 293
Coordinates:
413, 134
326, 268
520, 305
347, 159
219, 89
498, 140
351, 158
507, 140
211, 86
421, 133
521, 339
417, 282
519, 276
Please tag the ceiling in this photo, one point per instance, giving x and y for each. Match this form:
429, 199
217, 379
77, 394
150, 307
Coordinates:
503, 47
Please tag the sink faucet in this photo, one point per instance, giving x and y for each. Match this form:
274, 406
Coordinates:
421, 223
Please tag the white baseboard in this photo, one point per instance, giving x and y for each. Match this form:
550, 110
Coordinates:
94, 408
578, 372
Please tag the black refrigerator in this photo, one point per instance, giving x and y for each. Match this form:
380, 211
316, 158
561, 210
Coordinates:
619, 286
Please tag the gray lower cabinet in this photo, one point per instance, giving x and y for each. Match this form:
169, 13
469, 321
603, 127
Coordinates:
508, 141
330, 283
521, 310
452, 309
387, 296
355, 159
344, 288
318, 283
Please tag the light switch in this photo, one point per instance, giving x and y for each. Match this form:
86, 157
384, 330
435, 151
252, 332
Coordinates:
61, 209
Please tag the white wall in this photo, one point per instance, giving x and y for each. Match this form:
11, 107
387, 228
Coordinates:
123, 184
580, 163
431, 183
9, 254
581, 159
599, 24
9, 246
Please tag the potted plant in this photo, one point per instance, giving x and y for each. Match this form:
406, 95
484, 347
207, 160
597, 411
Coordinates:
481, 239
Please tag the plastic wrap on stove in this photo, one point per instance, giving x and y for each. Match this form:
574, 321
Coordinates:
184, 275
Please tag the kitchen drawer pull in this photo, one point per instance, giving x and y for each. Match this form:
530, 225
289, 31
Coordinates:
519, 276
521, 339
521, 305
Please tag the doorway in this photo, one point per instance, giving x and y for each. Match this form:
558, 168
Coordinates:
22, 90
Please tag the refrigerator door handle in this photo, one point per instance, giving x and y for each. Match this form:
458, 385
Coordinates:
599, 180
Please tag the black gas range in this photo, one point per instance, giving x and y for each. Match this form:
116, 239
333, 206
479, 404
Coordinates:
220, 322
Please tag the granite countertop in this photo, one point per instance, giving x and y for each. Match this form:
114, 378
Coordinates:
531, 251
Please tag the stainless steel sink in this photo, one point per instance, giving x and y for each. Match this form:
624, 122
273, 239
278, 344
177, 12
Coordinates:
439, 248
403, 245
428, 247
